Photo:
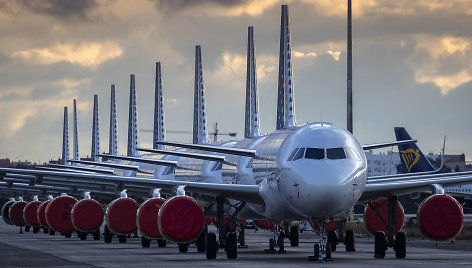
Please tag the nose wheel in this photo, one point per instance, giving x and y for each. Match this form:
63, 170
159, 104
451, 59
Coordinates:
276, 244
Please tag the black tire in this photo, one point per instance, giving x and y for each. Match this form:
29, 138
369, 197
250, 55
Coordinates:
45, 230
211, 247
231, 246
317, 250
349, 241
96, 234
68, 235
332, 240
294, 236
122, 238
200, 242
161, 243
379, 245
145, 242
107, 235
183, 247
51, 231
328, 251
27, 228
35, 230
271, 244
83, 235
400, 245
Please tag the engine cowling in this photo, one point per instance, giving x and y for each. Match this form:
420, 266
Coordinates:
121, 215
440, 217
5, 214
87, 215
146, 217
181, 219
58, 214
374, 223
30, 213
16, 213
42, 214
264, 224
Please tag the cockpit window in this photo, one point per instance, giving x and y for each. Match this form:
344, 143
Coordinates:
351, 154
292, 154
249, 165
169, 170
299, 154
217, 166
335, 153
315, 153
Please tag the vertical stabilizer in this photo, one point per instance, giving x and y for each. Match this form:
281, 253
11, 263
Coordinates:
113, 139
95, 131
285, 97
349, 68
76, 133
251, 114
159, 134
65, 138
132, 121
199, 117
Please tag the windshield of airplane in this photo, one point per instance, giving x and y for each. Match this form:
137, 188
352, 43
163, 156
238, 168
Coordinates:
321, 153
335, 153
315, 153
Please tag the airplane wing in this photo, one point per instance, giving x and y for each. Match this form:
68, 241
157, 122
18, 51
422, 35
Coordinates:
386, 144
212, 148
411, 184
248, 193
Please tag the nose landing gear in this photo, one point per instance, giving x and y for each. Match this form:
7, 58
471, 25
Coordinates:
277, 241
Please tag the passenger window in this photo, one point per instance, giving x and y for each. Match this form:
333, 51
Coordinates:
351, 154
299, 154
335, 153
292, 154
315, 153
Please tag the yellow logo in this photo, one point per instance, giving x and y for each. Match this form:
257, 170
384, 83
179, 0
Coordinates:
410, 157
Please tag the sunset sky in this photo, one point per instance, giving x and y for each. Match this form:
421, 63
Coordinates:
412, 67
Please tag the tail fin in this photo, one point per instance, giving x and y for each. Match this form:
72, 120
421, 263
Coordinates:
199, 117
132, 123
159, 133
65, 138
113, 140
411, 157
95, 131
76, 133
251, 115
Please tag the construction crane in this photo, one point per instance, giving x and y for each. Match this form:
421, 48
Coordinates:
215, 132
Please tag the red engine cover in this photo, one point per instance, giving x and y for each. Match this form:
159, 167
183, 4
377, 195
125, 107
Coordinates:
30, 213
181, 219
58, 214
121, 215
87, 215
440, 217
42, 214
208, 221
5, 212
372, 221
264, 224
16, 213
147, 217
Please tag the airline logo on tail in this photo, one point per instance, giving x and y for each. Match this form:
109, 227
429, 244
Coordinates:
410, 157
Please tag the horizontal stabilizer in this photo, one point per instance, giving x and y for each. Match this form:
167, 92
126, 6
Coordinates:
142, 160
212, 148
386, 144
103, 164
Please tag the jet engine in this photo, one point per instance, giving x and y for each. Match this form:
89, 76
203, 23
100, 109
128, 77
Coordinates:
16, 213
181, 219
376, 216
440, 217
30, 213
146, 217
42, 214
5, 214
87, 215
121, 215
58, 214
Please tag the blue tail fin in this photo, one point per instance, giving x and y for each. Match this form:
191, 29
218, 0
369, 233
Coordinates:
411, 157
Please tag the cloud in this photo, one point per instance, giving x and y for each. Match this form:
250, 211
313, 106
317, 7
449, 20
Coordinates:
15, 92
218, 7
299, 54
86, 54
62, 9
442, 60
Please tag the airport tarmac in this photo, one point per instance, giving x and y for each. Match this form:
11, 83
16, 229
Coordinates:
43, 250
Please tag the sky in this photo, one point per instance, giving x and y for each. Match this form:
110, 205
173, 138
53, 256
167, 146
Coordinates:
412, 67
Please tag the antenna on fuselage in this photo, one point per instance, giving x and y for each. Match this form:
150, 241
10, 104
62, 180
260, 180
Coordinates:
95, 131
285, 98
349, 68
132, 120
158, 132
199, 117
251, 128
113, 139
65, 139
